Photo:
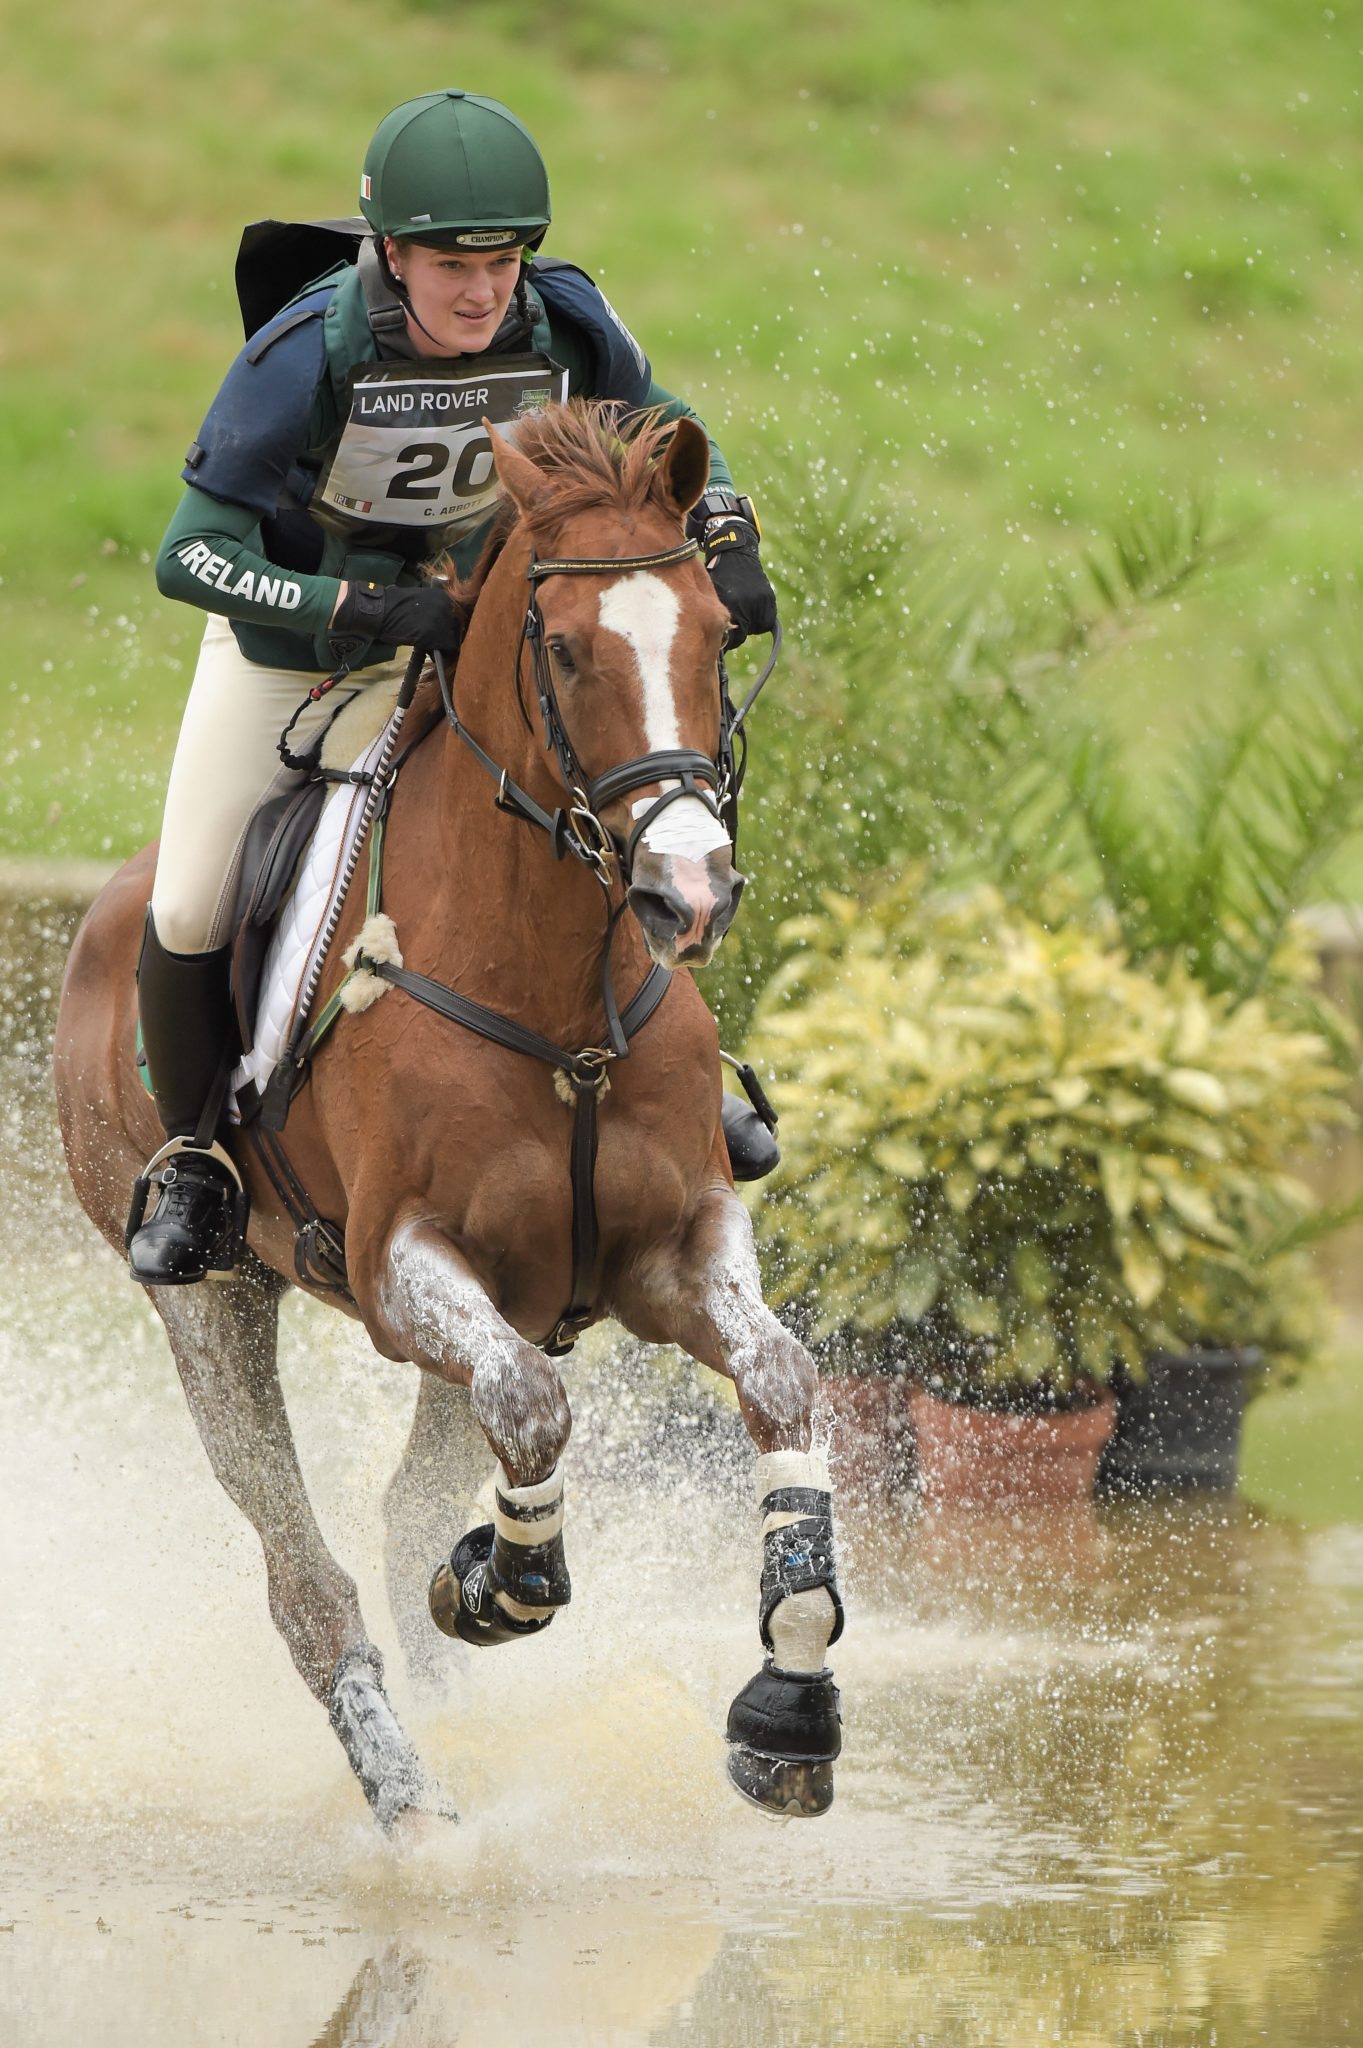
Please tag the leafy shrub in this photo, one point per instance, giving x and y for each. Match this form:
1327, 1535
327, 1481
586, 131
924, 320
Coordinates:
1012, 1159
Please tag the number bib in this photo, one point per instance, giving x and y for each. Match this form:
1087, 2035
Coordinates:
414, 462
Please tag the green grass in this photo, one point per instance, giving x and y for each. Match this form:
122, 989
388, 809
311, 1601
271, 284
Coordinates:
1303, 1449
1037, 263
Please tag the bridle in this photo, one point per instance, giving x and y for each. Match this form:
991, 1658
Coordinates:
576, 828
691, 769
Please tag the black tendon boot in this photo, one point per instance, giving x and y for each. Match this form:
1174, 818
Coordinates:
753, 1151
188, 1035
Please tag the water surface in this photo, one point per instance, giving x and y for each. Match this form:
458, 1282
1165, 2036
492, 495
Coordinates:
1103, 1778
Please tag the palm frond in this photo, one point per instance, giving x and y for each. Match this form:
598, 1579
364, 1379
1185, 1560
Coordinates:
1296, 799
1325, 1221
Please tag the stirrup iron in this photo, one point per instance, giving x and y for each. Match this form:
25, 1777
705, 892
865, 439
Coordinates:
159, 1173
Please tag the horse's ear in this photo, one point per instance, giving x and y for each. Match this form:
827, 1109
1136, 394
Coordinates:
524, 484
684, 467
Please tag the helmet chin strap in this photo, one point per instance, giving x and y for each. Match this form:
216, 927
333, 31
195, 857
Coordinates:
412, 314
405, 297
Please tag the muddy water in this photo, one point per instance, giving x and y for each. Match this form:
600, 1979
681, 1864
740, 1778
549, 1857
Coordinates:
1103, 1779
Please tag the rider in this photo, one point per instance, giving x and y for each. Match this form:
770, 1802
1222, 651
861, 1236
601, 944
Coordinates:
305, 528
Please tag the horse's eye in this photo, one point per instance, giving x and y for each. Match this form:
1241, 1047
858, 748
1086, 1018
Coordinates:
559, 649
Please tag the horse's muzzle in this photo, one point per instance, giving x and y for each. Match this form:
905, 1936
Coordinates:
684, 906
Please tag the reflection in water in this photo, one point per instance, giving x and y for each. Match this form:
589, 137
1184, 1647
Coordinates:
385, 1993
1103, 1781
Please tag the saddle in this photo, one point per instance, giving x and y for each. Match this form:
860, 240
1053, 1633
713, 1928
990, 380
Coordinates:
277, 838
273, 872
275, 936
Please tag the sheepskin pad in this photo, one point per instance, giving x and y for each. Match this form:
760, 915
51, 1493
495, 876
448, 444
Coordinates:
298, 932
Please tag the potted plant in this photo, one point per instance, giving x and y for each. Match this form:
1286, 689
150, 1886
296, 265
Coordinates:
1015, 1164
1211, 862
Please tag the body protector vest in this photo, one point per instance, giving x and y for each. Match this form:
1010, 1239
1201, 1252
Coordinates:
408, 467
399, 460
388, 463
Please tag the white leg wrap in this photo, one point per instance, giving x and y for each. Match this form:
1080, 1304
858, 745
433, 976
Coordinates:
803, 1622
779, 1469
541, 1507
800, 1629
539, 1520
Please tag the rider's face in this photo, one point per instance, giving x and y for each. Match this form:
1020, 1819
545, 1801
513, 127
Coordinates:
459, 295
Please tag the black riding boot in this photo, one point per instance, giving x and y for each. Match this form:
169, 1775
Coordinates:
753, 1151
189, 1038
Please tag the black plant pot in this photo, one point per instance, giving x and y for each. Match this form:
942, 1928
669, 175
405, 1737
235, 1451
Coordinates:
1180, 1428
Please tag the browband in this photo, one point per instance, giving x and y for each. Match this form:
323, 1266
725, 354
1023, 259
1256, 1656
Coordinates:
584, 566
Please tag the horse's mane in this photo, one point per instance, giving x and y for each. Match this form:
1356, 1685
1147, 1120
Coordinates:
590, 453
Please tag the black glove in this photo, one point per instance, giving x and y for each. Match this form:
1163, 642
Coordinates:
391, 616
740, 581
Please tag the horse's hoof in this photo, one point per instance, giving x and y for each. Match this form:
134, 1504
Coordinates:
444, 1601
415, 1826
779, 1787
785, 1732
463, 1600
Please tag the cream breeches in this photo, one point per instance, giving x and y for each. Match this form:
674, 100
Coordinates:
225, 762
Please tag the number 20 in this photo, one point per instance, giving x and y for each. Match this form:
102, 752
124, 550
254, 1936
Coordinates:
430, 459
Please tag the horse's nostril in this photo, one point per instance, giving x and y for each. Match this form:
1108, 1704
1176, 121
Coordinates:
664, 912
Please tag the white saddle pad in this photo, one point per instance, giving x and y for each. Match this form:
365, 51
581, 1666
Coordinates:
298, 933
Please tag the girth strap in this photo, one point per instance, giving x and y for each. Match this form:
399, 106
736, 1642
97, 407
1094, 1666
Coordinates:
318, 1246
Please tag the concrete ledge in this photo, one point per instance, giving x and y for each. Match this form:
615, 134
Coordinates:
76, 880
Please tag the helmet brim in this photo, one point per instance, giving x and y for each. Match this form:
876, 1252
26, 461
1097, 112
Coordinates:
476, 241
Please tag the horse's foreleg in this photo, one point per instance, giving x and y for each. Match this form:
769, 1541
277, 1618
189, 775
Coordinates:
438, 1476
508, 1578
223, 1335
784, 1726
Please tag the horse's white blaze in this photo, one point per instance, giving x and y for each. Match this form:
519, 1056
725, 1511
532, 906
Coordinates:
644, 610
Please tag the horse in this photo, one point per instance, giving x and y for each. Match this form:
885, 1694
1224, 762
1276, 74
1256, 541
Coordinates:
479, 1188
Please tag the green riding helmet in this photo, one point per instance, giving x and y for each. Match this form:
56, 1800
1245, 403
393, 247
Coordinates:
457, 167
